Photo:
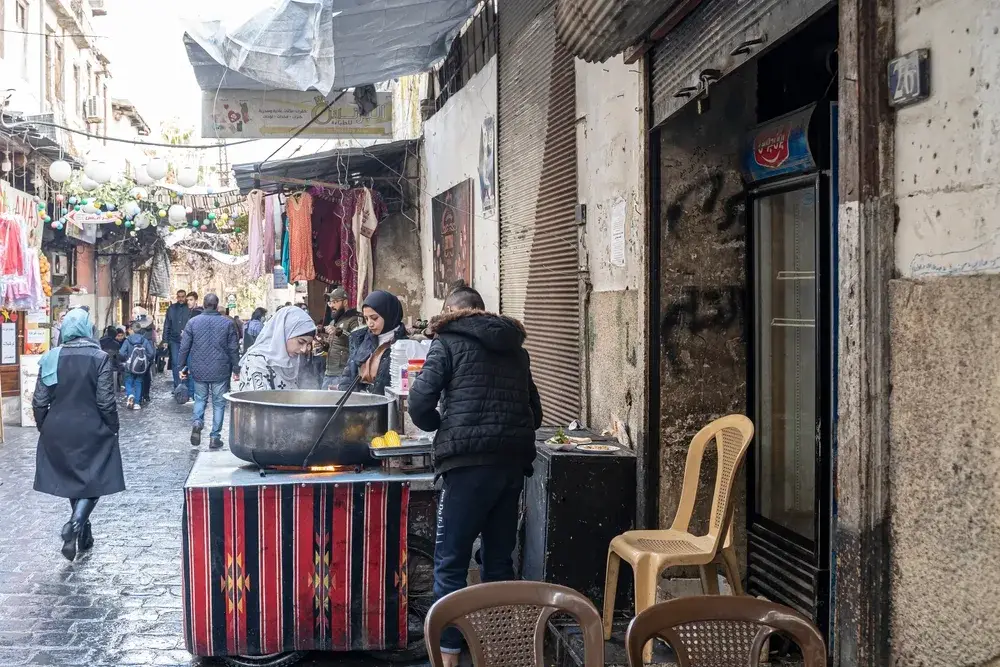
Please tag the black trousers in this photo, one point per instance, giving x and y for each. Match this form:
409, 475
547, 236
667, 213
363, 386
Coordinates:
480, 501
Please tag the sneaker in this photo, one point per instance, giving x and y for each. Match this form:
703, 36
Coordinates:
196, 435
216, 443
130, 402
137, 407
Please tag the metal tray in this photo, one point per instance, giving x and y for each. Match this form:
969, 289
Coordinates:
415, 449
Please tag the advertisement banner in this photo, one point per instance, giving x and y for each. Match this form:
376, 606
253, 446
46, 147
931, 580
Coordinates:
20, 203
279, 114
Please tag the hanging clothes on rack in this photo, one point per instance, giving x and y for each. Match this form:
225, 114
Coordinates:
330, 214
299, 209
286, 259
270, 204
12, 261
255, 213
363, 225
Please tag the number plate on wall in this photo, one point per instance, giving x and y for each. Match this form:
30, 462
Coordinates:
910, 78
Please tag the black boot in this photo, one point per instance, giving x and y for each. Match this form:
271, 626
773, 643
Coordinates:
74, 528
85, 542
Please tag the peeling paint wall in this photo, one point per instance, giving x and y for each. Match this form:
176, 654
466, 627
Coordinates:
948, 147
451, 155
611, 184
703, 346
944, 419
398, 261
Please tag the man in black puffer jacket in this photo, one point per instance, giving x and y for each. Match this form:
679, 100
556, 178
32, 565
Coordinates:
479, 370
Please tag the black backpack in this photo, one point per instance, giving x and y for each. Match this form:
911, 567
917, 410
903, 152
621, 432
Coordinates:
138, 360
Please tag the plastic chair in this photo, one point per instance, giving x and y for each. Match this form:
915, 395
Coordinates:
650, 552
714, 631
504, 622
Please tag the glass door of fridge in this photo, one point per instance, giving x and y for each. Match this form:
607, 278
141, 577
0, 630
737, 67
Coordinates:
786, 227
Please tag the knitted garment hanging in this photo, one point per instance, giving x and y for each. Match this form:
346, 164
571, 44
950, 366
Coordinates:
299, 207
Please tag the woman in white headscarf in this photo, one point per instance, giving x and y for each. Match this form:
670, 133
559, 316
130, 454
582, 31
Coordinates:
272, 361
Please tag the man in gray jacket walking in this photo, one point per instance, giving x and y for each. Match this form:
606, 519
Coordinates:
210, 354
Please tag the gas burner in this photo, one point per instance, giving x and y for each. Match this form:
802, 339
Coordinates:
334, 469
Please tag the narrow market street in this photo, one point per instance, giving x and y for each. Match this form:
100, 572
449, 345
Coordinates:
120, 604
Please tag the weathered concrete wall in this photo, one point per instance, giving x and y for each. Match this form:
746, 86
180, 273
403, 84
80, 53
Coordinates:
703, 285
948, 147
611, 173
398, 261
944, 471
451, 155
944, 416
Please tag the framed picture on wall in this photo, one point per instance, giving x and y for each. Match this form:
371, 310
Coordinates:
451, 214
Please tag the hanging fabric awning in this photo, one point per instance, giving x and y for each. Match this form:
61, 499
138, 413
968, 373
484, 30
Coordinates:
323, 45
596, 30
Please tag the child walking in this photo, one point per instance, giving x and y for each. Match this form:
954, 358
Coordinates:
138, 353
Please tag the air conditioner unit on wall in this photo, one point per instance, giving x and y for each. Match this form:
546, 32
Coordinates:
45, 130
92, 110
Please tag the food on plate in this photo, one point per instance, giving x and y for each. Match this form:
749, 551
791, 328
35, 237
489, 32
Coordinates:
597, 448
560, 438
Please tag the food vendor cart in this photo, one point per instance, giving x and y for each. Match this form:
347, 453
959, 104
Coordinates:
281, 558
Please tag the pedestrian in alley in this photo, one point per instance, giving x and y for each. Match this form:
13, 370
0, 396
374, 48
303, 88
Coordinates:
253, 328
176, 319
137, 354
343, 321
369, 346
273, 360
479, 371
209, 355
77, 419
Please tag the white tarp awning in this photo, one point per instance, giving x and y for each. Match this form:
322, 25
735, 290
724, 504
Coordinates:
322, 45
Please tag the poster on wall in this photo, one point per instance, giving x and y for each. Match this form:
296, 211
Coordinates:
30, 367
451, 212
487, 166
8, 343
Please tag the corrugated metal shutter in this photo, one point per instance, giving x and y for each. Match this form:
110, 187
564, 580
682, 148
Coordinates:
719, 35
536, 156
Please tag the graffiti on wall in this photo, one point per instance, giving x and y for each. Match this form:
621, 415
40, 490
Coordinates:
698, 310
712, 185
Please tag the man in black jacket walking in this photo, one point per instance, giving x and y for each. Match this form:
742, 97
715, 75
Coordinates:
177, 318
210, 354
480, 372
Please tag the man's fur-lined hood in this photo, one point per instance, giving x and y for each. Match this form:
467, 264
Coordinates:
495, 332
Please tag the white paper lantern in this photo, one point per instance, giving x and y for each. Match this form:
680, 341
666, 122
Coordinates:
90, 169
60, 171
102, 172
176, 213
187, 177
90, 208
139, 193
132, 209
88, 184
157, 168
142, 177
144, 219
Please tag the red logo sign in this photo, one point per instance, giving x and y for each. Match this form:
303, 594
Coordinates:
770, 150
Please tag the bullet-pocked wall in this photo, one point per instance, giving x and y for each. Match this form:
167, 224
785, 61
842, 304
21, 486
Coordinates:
451, 155
611, 175
944, 341
702, 346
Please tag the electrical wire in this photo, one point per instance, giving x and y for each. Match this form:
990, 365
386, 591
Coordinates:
303, 128
50, 34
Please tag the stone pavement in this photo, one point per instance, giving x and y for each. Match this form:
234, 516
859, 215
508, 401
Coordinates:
119, 604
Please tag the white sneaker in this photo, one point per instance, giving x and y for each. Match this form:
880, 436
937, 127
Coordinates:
137, 407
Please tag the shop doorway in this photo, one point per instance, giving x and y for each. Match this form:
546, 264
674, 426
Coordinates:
791, 175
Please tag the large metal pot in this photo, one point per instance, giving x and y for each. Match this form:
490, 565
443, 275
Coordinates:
278, 428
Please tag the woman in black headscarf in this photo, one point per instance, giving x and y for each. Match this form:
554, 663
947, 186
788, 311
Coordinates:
370, 346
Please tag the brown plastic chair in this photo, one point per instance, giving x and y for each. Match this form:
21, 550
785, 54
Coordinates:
717, 631
504, 622
650, 552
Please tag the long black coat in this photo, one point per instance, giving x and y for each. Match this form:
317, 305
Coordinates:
78, 455
490, 408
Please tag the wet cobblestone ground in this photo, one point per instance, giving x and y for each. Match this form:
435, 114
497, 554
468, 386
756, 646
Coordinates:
119, 604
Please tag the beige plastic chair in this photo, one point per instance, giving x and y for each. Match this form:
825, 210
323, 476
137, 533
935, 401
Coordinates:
504, 622
650, 552
720, 632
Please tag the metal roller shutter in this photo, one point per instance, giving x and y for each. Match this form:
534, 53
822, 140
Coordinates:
539, 282
719, 35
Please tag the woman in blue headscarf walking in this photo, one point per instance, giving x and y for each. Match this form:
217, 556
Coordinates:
77, 418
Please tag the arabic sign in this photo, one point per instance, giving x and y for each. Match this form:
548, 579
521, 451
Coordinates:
31, 367
279, 114
75, 229
21, 203
780, 147
82, 217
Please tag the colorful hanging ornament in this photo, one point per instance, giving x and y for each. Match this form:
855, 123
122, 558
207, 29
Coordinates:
211, 216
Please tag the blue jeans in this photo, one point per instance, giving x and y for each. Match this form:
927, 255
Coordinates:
175, 367
476, 501
133, 387
218, 391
